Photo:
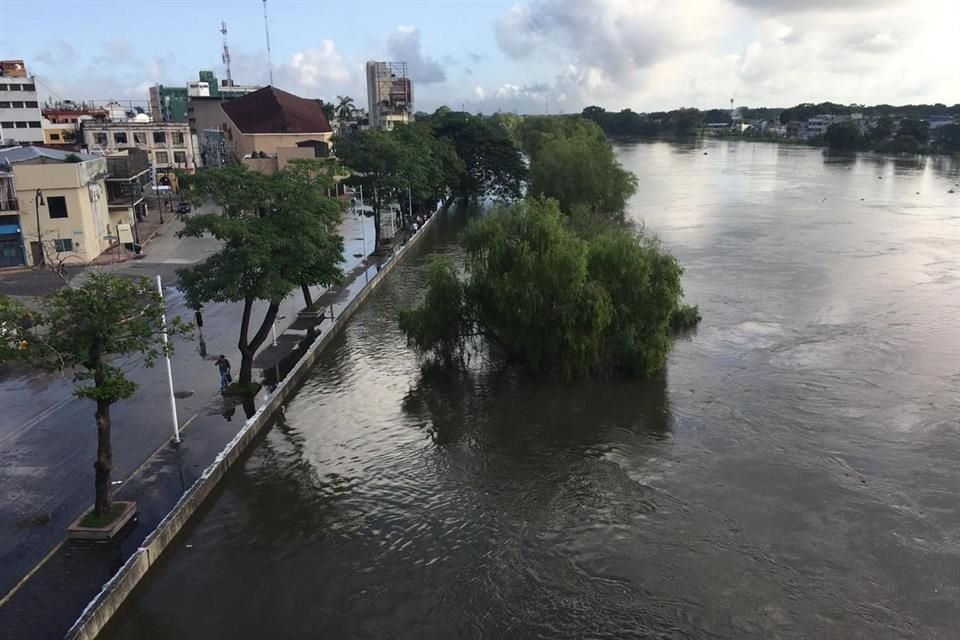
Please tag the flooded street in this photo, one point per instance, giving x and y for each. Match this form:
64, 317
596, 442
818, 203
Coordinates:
795, 473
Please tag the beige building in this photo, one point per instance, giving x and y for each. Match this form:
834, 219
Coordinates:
269, 127
169, 145
61, 193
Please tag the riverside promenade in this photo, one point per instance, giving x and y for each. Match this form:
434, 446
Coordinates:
49, 599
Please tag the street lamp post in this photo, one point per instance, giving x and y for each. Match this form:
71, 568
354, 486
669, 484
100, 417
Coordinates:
37, 202
133, 208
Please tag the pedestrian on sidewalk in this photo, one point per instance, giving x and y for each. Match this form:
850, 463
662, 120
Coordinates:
223, 365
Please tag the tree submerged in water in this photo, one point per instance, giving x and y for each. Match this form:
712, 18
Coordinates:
552, 300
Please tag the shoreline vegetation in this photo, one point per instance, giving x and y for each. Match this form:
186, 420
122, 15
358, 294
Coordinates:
880, 128
555, 280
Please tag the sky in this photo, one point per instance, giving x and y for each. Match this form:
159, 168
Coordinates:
531, 56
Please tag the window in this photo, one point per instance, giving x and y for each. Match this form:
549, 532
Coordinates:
6, 124
180, 157
3, 87
159, 137
57, 206
36, 124
139, 137
4, 104
100, 138
14, 87
21, 125
16, 105
30, 104
54, 136
63, 244
162, 157
120, 137
29, 87
177, 139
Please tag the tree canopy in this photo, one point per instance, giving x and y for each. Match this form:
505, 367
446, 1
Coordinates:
81, 330
279, 232
550, 299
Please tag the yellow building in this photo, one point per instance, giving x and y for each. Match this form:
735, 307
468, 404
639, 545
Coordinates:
267, 128
62, 194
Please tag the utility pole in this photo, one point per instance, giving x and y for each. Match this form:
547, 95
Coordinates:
173, 398
266, 28
226, 50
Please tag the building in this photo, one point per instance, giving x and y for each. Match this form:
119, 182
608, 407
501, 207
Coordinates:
205, 115
269, 127
168, 104
20, 118
389, 94
169, 145
61, 121
52, 206
128, 175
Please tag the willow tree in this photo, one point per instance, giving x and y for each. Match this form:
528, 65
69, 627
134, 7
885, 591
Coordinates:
81, 331
544, 297
279, 232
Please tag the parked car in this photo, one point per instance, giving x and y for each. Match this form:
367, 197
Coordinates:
184, 207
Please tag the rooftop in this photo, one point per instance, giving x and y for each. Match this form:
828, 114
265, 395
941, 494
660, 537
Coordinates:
270, 110
13, 155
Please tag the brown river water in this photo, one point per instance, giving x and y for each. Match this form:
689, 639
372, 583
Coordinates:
795, 473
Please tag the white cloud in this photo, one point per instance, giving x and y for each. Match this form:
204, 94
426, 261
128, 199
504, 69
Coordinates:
660, 55
479, 92
317, 67
404, 45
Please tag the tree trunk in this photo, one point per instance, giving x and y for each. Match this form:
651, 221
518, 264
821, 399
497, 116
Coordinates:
104, 463
248, 347
307, 298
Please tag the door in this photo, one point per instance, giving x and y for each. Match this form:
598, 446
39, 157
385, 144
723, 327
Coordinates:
11, 253
37, 250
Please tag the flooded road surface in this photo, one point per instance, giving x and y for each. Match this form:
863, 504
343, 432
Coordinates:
794, 474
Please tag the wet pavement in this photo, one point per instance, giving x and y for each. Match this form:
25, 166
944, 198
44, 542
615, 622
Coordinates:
793, 475
48, 438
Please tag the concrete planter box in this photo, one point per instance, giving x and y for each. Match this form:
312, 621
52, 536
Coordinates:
77, 532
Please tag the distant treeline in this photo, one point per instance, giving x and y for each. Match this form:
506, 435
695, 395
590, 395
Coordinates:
688, 121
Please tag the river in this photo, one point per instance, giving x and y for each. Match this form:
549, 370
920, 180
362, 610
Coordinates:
795, 473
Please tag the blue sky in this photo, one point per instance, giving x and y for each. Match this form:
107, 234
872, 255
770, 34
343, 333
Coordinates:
526, 56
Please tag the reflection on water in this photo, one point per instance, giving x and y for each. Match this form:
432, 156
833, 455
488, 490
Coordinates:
793, 474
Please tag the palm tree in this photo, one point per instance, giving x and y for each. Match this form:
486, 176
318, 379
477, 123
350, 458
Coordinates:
327, 110
345, 107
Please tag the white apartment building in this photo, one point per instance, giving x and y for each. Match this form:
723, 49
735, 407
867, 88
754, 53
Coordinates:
169, 144
20, 118
389, 94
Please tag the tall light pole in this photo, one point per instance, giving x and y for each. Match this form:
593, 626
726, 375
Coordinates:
173, 398
37, 202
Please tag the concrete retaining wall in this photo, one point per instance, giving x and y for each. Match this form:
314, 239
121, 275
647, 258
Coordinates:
98, 613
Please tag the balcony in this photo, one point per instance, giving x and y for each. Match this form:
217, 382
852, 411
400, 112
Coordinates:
9, 204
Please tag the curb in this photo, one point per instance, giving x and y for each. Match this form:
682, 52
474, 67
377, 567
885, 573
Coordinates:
102, 608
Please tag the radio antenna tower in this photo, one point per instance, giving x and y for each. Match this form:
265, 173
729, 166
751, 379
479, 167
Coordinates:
266, 28
226, 52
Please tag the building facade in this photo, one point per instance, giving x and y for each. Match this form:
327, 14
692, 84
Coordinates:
168, 104
389, 94
57, 210
170, 145
20, 118
269, 127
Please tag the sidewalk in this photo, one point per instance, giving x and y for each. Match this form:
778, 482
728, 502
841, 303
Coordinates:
50, 598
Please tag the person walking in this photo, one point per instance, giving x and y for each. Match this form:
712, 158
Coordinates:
223, 365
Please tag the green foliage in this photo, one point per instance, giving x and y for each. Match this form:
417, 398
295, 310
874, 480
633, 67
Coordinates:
278, 233
948, 138
807, 110
440, 321
685, 317
883, 129
549, 299
534, 132
72, 157
492, 165
581, 172
845, 136
329, 110
81, 329
344, 107
677, 123
919, 130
